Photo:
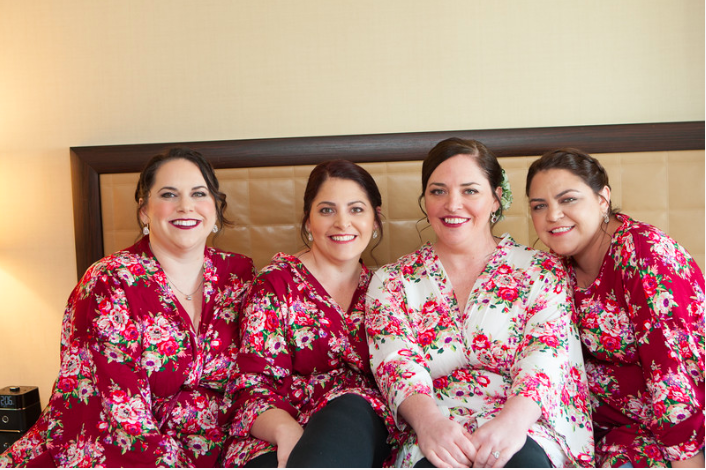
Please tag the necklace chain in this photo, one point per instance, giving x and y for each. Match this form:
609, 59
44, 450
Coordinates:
188, 296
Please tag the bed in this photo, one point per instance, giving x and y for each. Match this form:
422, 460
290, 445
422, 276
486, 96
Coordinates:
656, 171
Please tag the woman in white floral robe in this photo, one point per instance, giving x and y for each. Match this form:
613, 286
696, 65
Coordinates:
478, 332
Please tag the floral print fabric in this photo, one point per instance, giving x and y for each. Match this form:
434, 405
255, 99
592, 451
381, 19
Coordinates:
137, 385
299, 351
642, 324
515, 338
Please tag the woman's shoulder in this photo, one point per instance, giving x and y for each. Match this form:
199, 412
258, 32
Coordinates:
282, 268
636, 228
235, 262
131, 258
636, 242
409, 262
124, 268
523, 256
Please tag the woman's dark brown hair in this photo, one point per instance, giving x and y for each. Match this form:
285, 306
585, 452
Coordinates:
449, 148
578, 163
346, 170
147, 176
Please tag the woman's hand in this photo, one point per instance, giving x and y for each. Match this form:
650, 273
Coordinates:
506, 434
443, 442
286, 440
446, 443
279, 428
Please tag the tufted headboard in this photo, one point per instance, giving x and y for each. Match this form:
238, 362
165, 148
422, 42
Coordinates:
656, 171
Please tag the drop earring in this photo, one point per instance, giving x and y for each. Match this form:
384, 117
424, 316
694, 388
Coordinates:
375, 233
309, 236
215, 229
146, 229
606, 218
493, 218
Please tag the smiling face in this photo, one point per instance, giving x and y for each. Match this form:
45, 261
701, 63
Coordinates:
567, 214
459, 201
180, 211
341, 221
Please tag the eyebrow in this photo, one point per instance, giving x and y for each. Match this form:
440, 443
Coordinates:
566, 191
172, 188
329, 203
444, 184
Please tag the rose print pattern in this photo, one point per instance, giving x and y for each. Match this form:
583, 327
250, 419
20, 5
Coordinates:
642, 326
137, 385
515, 338
299, 350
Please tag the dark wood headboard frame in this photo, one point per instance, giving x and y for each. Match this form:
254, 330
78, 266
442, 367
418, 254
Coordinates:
88, 163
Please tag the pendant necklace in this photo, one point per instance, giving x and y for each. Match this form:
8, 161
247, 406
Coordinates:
188, 296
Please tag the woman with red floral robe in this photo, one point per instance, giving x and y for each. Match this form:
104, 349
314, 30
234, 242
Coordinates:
141, 382
305, 393
639, 298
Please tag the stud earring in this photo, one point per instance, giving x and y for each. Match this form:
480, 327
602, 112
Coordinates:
146, 229
215, 229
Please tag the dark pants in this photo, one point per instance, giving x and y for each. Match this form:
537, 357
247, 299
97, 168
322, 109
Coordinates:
530, 456
345, 433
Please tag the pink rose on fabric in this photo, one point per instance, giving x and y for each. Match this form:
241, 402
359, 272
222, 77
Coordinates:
653, 452
610, 343
481, 342
483, 381
137, 269
504, 269
508, 294
105, 306
168, 348
201, 402
427, 337
134, 429
118, 396
441, 383
67, 384
272, 321
130, 332
649, 283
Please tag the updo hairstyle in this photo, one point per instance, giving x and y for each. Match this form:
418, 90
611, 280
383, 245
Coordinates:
346, 170
147, 176
449, 148
578, 163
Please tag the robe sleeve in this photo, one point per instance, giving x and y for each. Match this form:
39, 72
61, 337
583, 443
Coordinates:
397, 360
549, 367
265, 362
543, 356
102, 380
664, 289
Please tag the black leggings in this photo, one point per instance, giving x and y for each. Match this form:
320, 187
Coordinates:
345, 433
530, 456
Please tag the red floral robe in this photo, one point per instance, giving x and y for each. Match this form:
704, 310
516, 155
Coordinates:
137, 386
642, 326
299, 351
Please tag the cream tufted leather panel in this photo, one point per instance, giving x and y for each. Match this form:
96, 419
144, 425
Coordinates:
662, 188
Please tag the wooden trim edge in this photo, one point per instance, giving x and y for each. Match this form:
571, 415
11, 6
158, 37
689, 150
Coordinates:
88, 163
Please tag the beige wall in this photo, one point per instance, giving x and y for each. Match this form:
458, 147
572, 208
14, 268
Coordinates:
81, 72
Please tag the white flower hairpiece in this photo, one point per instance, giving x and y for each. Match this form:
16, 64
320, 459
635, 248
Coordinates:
505, 199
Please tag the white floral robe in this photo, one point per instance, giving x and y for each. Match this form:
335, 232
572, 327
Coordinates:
515, 337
